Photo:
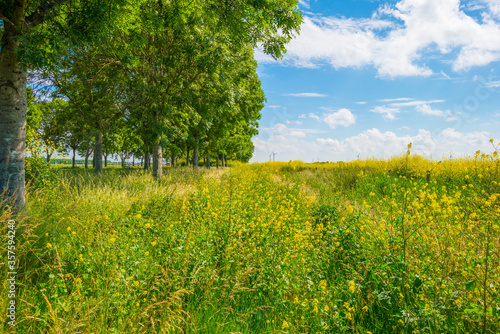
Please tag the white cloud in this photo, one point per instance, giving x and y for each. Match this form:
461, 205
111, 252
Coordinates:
343, 117
304, 3
274, 107
414, 103
396, 99
314, 116
397, 37
293, 122
305, 95
361, 102
387, 112
302, 116
372, 143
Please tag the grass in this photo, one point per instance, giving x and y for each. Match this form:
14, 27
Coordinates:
362, 247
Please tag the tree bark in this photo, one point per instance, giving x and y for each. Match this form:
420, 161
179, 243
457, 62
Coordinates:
87, 155
195, 155
146, 161
157, 161
208, 159
12, 115
98, 152
173, 160
74, 158
187, 156
218, 157
106, 158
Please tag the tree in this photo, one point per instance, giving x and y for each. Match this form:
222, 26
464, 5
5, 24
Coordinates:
23, 45
240, 22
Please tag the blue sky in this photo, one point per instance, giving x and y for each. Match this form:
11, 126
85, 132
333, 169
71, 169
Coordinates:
367, 77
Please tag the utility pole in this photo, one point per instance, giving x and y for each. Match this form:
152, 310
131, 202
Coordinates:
274, 155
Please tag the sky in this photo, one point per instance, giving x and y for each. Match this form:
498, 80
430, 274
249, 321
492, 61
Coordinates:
364, 78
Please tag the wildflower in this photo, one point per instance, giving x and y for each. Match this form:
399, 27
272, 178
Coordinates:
153, 243
68, 229
49, 245
112, 240
285, 325
352, 286
138, 216
148, 225
491, 140
348, 316
146, 253
136, 283
365, 308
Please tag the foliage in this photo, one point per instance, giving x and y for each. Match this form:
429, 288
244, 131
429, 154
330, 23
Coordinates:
36, 167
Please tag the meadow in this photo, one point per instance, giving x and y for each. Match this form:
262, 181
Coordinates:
404, 245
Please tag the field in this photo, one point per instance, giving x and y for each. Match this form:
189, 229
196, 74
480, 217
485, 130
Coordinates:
406, 245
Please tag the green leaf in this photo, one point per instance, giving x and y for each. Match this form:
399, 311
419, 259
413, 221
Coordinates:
417, 283
469, 285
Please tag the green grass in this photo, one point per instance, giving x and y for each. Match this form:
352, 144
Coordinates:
257, 249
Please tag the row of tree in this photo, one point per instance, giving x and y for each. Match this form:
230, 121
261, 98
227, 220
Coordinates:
158, 74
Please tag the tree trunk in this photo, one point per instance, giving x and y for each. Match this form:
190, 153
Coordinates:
98, 152
106, 158
173, 160
74, 157
208, 159
86, 161
187, 156
217, 159
146, 161
122, 157
157, 161
224, 160
195, 155
12, 115
133, 160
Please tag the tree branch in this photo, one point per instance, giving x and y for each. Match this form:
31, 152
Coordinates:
6, 20
45, 11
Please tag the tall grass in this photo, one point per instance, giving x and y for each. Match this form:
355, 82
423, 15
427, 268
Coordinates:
362, 247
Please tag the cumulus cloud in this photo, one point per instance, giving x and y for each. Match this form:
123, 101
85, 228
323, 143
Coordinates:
388, 112
397, 37
373, 143
343, 117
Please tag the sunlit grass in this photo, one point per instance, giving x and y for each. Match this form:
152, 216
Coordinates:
360, 247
